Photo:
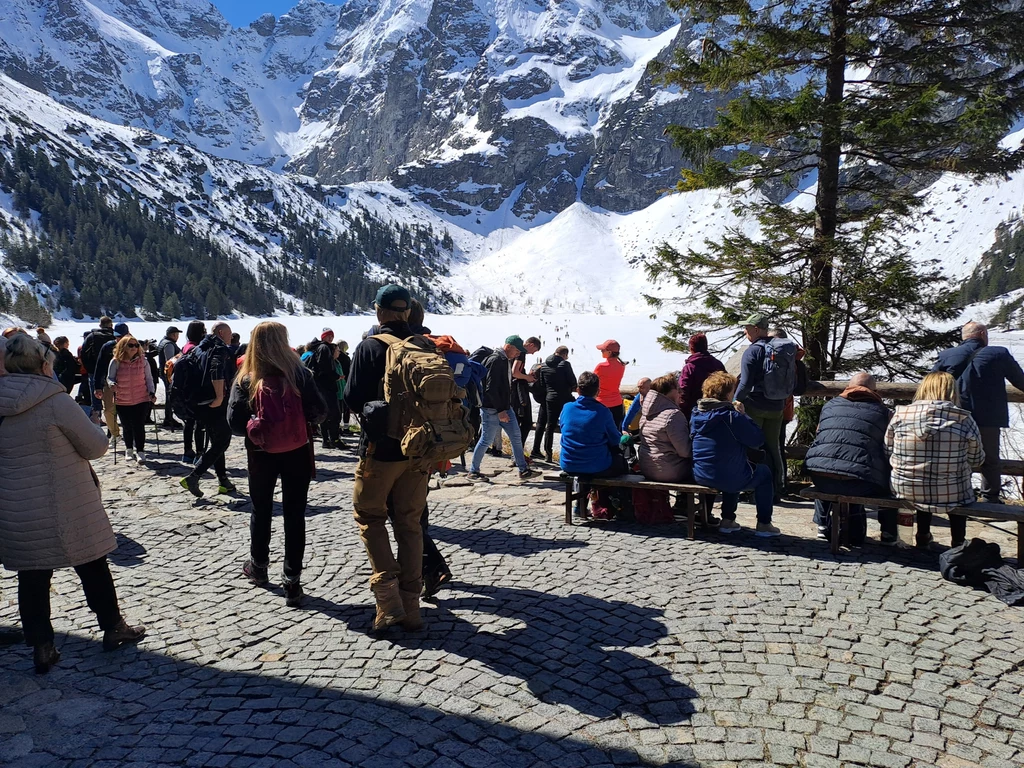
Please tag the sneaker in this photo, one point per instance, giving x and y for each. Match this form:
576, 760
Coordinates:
293, 594
188, 459
476, 477
728, 526
495, 452
713, 522
226, 487
130, 455
823, 532
257, 575
140, 457
766, 530
191, 484
122, 634
45, 656
112, 443
527, 473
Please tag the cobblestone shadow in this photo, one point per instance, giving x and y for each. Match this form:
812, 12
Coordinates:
496, 541
142, 708
566, 648
129, 552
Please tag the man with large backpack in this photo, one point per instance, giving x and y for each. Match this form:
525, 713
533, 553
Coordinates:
767, 379
208, 399
91, 347
404, 394
167, 350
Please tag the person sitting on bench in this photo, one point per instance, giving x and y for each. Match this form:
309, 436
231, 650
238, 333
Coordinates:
664, 434
848, 457
590, 436
933, 446
720, 434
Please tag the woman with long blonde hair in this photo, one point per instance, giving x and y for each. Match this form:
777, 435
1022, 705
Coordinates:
131, 379
934, 445
272, 401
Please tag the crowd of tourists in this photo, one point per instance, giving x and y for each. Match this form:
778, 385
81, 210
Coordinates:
422, 400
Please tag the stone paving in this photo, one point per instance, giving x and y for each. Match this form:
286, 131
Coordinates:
603, 644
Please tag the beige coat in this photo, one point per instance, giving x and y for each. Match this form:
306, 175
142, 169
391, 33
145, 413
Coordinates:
51, 515
664, 450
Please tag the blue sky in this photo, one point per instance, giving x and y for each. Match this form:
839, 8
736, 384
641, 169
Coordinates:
241, 12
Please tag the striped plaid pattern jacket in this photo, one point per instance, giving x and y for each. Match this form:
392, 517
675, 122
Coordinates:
933, 447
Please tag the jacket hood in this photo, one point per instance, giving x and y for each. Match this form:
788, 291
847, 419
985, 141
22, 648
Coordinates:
21, 391
708, 404
552, 361
699, 356
861, 395
655, 403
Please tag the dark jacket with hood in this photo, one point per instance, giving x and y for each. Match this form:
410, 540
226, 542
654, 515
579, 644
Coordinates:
321, 363
364, 393
558, 379
698, 367
66, 367
103, 362
720, 436
497, 392
851, 438
982, 373
91, 347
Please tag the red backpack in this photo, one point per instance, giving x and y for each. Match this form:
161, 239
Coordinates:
278, 423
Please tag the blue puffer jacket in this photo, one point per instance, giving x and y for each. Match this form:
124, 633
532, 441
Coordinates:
851, 438
720, 436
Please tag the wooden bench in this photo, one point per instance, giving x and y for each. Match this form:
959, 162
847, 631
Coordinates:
688, 491
981, 510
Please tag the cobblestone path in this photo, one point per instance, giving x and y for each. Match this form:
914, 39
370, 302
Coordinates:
595, 645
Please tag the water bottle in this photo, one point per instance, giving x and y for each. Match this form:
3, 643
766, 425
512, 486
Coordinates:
905, 527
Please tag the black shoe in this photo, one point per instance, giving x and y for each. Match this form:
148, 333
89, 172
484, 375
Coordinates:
45, 656
191, 484
293, 594
432, 582
527, 473
188, 459
122, 634
225, 486
495, 452
256, 574
549, 458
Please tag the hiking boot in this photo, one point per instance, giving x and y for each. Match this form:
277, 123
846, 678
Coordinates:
412, 622
728, 526
390, 609
188, 459
549, 458
122, 634
925, 542
45, 656
713, 522
888, 539
293, 594
766, 530
256, 574
191, 484
226, 486
527, 473
823, 532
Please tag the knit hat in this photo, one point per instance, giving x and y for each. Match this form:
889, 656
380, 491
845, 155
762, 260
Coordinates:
698, 343
327, 335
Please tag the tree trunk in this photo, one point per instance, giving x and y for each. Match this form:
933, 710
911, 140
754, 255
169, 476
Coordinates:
819, 295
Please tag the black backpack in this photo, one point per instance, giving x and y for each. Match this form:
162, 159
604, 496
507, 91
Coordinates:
538, 388
91, 349
481, 354
190, 384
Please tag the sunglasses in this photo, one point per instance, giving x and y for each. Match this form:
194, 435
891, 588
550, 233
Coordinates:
132, 346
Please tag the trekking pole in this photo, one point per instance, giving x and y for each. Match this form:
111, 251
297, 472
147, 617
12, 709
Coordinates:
156, 435
114, 443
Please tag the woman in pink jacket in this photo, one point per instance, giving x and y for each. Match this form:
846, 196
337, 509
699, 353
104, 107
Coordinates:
664, 450
134, 394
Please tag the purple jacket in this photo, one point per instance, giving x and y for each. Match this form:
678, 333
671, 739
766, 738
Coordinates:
698, 367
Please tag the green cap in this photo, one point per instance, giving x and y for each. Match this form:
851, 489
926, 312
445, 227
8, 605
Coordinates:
760, 319
517, 342
393, 297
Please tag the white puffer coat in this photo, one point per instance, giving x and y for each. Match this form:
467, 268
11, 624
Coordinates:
51, 515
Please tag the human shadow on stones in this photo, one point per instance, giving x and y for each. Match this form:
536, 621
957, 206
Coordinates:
495, 541
567, 648
91, 711
129, 553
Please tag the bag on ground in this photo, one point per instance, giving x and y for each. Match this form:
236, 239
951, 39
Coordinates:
652, 507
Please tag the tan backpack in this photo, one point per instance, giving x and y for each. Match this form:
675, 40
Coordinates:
425, 411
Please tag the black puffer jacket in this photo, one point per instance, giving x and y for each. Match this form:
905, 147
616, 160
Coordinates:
559, 380
851, 438
497, 392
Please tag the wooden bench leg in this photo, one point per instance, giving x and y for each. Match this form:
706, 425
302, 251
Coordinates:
568, 501
840, 512
1020, 545
691, 515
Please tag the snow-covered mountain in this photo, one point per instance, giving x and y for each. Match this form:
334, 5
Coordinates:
526, 136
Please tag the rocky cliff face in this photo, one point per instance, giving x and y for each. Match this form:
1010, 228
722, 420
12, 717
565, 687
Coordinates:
471, 105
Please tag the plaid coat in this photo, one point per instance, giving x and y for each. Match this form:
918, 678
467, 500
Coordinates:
933, 446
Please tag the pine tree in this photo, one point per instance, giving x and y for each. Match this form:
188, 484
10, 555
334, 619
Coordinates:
149, 303
867, 102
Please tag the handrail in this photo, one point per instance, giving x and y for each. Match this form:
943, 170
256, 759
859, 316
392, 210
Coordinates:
890, 390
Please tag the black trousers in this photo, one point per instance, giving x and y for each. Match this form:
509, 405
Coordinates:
618, 413
330, 429
887, 520
194, 429
295, 471
34, 599
524, 415
215, 422
133, 424
547, 424
168, 413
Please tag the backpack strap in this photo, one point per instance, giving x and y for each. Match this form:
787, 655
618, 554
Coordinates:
389, 338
